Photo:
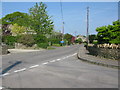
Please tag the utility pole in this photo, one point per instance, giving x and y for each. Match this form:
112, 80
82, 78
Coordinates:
63, 31
87, 34
62, 23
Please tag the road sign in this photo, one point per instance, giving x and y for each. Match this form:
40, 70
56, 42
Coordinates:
61, 41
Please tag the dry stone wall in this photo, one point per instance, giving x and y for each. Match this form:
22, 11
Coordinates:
104, 52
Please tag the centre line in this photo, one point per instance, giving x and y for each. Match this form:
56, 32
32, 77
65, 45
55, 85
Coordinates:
20, 70
52, 61
58, 59
34, 66
45, 63
5, 74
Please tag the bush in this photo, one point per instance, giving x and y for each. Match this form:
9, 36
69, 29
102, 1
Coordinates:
27, 40
9, 40
43, 45
95, 42
40, 38
55, 41
78, 40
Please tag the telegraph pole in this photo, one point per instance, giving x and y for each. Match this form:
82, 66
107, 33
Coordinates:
63, 31
87, 34
62, 22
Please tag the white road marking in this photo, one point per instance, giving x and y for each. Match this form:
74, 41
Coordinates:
34, 66
74, 53
45, 63
1, 88
52, 61
38, 65
58, 59
20, 70
5, 74
64, 58
67, 56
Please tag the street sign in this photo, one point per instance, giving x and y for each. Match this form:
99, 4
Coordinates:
61, 41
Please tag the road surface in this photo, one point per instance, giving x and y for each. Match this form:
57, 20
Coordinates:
58, 68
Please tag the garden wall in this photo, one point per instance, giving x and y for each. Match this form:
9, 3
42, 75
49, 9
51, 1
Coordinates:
21, 46
104, 52
3, 49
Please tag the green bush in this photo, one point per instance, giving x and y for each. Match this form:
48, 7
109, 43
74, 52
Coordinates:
9, 40
40, 38
55, 41
43, 45
78, 40
27, 40
95, 42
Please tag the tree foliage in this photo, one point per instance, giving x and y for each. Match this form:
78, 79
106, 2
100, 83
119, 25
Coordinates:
22, 19
68, 37
109, 34
18, 30
92, 38
37, 22
9, 40
27, 39
79, 40
40, 21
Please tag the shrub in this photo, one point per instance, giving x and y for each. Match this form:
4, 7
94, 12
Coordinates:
95, 42
27, 40
55, 41
43, 45
9, 40
40, 38
78, 40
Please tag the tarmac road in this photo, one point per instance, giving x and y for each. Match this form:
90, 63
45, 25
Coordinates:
58, 68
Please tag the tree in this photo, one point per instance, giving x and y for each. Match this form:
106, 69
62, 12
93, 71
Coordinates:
68, 37
109, 34
27, 39
22, 19
55, 37
40, 21
103, 34
115, 33
18, 30
92, 38
79, 40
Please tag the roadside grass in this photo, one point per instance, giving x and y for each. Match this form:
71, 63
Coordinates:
50, 48
57, 45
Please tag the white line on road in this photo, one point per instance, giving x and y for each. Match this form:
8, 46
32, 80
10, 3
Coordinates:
74, 54
52, 61
20, 70
1, 88
38, 65
45, 63
33, 66
64, 58
5, 74
58, 59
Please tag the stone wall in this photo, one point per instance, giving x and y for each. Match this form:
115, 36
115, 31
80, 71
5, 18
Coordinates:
104, 52
3, 49
21, 46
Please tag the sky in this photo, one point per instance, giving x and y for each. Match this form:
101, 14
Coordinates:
74, 14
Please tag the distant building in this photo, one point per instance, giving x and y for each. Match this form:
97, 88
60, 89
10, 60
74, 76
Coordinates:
73, 39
